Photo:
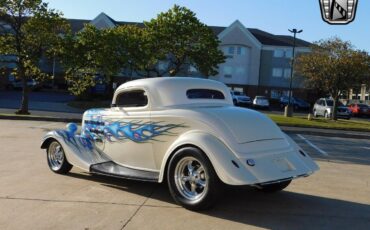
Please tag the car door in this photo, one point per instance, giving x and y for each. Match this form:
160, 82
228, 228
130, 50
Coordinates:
129, 119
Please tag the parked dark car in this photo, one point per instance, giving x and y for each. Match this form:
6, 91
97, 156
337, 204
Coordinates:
18, 84
298, 104
359, 109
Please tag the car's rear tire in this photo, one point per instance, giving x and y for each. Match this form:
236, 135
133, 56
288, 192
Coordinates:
315, 113
326, 115
276, 187
56, 158
192, 180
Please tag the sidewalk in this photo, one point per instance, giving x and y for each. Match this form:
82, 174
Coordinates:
42, 116
77, 117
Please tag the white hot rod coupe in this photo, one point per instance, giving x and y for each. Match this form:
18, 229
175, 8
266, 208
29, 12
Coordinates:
185, 131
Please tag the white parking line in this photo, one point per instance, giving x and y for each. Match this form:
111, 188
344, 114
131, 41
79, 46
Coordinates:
366, 147
312, 145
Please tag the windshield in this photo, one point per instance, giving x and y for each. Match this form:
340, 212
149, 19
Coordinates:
329, 102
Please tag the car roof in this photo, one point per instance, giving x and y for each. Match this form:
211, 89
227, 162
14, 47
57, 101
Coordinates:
171, 91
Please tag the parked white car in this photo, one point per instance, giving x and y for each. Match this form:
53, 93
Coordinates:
325, 106
182, 130
240, 98
261, 102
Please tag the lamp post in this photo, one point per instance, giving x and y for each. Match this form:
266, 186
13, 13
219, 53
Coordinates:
289, 108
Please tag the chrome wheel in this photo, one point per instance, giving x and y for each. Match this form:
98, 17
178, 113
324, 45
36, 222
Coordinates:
191, 179
55, 156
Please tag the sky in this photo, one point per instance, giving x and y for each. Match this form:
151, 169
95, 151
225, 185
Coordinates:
273, 16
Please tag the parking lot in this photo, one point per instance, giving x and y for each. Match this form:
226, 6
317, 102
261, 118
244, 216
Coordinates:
32, 197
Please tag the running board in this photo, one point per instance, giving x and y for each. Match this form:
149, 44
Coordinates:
110, 168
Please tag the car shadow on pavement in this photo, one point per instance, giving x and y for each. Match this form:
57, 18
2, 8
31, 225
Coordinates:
246, 205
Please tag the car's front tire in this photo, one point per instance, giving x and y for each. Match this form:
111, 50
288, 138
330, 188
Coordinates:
56, 158
192, 180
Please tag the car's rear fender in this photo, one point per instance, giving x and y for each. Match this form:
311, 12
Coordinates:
227, 166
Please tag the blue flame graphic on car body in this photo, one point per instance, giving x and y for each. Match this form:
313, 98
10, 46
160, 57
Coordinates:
96, 130
121, 131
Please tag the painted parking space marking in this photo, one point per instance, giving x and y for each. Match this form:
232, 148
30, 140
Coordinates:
312, 145
366, 148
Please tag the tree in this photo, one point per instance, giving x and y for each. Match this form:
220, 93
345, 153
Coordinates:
33, 34
179, 35
334, 66
105, 52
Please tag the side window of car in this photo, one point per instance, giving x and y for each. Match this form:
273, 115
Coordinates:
134, 98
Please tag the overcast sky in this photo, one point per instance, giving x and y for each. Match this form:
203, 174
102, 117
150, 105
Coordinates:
274, 16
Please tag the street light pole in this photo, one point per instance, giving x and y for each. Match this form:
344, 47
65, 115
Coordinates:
289, 108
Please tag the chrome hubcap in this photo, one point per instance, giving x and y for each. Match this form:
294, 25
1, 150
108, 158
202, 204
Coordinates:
191, 178
55, 156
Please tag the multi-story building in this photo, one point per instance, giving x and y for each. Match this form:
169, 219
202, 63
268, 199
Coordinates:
257, 62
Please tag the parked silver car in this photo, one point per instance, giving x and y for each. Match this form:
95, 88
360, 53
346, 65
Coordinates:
324, 107
261, 102
240, 98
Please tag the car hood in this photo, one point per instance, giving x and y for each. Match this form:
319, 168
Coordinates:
244, 125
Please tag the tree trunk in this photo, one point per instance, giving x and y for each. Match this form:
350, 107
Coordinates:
24, 103
335, 105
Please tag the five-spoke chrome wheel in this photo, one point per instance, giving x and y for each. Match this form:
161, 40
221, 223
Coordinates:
56, 158
191, 178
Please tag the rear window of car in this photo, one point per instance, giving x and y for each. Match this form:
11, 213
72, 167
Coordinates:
204, 94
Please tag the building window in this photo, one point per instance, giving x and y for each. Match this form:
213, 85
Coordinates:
288, 53
278, 53
240, 50
228, 71
231, 50
240, 71
277, 72
287, 72
275, 94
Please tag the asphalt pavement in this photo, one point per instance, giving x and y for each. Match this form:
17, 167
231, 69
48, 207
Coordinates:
32, 197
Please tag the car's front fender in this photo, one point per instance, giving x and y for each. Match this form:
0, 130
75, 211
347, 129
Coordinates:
218, 153
77, 153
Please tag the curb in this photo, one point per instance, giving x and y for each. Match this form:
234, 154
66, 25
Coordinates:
339, 133
36, 118
364, 136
